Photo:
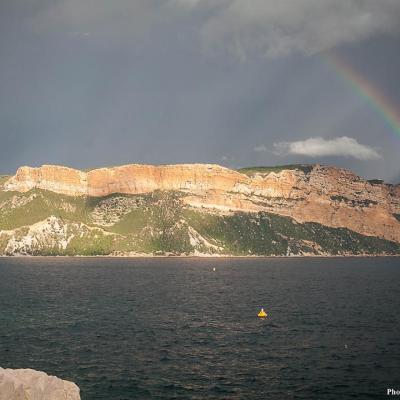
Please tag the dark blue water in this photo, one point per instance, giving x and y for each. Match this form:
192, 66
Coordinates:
174, 329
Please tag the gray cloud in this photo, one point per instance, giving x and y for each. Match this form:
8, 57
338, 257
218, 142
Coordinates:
260, 149
102, 19
319, 147
242, 27
276, 28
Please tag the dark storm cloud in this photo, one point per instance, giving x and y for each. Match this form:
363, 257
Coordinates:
308, 26
93, 82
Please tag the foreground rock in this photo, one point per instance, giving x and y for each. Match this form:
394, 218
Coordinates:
27, 384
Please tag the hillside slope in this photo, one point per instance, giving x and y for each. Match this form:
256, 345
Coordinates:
197, 209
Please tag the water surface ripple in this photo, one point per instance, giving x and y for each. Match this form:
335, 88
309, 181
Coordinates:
173, 328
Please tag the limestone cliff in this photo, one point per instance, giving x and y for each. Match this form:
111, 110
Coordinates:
330, 196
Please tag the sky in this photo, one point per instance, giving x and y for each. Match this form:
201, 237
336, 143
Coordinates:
91, 83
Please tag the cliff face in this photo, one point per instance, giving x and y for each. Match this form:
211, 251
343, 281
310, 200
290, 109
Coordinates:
329, 196
57, 179
129, 179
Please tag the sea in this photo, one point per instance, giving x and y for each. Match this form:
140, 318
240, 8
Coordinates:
187, 328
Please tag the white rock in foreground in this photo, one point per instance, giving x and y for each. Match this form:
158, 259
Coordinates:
27, 384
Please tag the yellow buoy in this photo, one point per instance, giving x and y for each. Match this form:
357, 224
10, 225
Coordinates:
262, 314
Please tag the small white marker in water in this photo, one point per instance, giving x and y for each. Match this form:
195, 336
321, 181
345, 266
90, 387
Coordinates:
345, 346
214, 269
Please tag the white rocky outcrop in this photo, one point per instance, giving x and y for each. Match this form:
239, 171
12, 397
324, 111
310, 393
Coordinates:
28, 384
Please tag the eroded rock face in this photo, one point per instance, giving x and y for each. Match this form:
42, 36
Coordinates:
58, 179
327, 195
27, 384
128, 179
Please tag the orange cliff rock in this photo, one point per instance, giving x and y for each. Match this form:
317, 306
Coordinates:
327, 195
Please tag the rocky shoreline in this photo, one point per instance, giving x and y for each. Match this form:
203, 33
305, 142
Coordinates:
28, 384
228, 256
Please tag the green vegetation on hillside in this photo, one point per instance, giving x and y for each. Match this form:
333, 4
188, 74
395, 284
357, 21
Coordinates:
354, 202
160, 223
376, 181
20, 209
264, 233
93, 243
250, 171
3, 178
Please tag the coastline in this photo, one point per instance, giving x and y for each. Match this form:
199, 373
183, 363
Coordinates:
202, 256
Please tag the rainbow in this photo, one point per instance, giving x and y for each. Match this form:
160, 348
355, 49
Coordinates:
374, 95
